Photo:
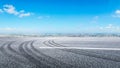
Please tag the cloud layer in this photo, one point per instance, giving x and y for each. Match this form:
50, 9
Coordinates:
117, 14
42, 17
110, 27
1, 11
95, 19
10, 9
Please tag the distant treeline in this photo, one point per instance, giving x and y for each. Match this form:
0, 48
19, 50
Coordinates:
67, 35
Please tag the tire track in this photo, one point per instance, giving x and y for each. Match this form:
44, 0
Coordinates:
27, 53
11, 54
53, 61
12, 50
85, 53
17, 56
38, 57
18, 60
5, 53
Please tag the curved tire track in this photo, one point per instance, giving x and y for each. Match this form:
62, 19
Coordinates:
38, 61
6, 54
51, 43
17, 56
53, 61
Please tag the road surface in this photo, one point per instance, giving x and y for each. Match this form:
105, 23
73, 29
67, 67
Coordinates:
59, 52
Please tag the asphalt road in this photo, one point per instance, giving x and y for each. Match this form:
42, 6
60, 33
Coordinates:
59, 52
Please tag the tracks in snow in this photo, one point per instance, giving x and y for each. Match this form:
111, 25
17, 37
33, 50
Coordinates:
80, 51
29, 57
25, 54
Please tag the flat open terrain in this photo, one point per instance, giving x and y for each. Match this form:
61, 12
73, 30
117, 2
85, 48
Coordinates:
59, 52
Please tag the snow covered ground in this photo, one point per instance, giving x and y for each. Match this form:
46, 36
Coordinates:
59, 52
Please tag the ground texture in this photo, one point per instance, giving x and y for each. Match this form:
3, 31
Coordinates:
59, 52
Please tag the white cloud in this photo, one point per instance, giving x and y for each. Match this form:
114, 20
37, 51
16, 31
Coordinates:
14, 29
10, 9
40, 17
18, 30
43, 17
95, 19
10, 29
7, 29
117, 14
22, 11
1, 11
47, 16
24, 15
110, 27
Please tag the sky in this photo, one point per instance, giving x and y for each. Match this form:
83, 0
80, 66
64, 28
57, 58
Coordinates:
59, 16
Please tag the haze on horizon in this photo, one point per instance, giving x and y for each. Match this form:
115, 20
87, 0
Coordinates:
59, 16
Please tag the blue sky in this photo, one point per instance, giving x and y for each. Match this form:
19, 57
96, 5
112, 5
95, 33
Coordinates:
59, 16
